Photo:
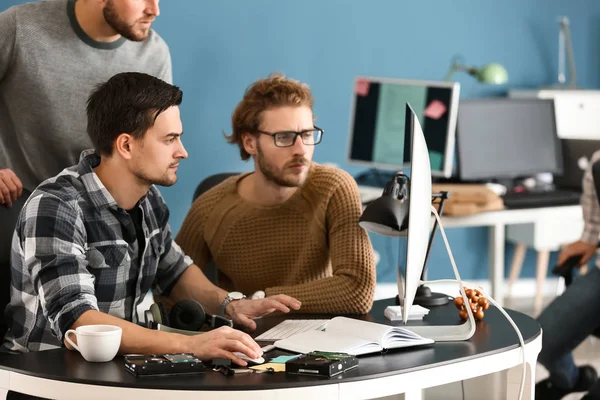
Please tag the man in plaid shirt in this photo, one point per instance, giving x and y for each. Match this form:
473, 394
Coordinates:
93, 240
575, 314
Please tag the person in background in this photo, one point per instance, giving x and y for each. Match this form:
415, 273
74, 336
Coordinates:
52, 54
575, 314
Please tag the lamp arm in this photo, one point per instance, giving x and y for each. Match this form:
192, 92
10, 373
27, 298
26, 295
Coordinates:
564, 26
453, 68
459, 67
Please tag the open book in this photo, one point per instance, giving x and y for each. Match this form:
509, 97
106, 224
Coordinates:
352, 336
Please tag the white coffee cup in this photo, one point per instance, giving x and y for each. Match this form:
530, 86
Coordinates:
96, 343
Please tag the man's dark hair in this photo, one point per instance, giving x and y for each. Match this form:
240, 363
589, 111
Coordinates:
128, 102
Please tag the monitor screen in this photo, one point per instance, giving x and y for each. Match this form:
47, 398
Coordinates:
419, 222
419, 211
377, 121
507, 138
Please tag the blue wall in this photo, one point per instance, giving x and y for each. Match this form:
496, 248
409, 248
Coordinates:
218, 48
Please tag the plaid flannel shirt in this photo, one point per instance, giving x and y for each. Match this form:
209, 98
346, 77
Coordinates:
75, 249
590, 207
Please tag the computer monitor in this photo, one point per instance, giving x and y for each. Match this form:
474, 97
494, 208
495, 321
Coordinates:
419, 210
419, 225
507, 138
412, 218
377, 122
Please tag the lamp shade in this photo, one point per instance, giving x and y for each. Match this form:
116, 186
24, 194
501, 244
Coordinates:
494, 74
385, 216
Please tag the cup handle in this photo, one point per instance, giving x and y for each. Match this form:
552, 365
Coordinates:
69, 340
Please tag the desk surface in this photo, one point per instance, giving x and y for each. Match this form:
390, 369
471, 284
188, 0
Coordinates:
499, 217
493, 335
514, 216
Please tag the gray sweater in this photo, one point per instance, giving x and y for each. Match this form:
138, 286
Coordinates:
48, 68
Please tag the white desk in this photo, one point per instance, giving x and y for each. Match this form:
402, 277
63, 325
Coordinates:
61, 374
498, 220
410, 383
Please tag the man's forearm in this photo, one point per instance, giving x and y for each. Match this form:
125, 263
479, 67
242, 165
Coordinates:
193, 284
333, 295
136, 339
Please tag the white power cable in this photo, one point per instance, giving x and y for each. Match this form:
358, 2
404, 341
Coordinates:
522, 343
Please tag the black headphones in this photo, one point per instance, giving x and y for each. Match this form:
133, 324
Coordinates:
186, 317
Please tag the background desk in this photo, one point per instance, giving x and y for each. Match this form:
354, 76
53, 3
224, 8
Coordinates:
543, 229
551, 224
63, 374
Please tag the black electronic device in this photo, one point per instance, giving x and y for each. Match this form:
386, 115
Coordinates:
163, 364
187, 317
566, 268
536, 199
321, 363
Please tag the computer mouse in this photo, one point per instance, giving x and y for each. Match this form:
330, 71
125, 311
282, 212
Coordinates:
244, 357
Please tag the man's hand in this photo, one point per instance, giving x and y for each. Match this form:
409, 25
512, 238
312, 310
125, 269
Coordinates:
244, 311
222, 343
10, 187
584, 249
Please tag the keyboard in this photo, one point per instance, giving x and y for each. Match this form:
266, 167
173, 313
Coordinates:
290, 327
541, 199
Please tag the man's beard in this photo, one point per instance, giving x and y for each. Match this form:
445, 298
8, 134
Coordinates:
120, 26
270, 172
164, 180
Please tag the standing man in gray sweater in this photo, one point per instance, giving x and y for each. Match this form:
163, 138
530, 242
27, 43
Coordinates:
52, 55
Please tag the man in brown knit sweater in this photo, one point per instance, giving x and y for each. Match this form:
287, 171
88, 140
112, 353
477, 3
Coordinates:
291, 226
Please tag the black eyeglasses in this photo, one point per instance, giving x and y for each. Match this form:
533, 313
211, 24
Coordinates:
310, 137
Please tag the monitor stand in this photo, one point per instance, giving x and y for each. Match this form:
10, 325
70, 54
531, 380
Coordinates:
425, 297
443, 333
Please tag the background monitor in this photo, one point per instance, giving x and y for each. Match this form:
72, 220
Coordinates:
507, 138
377, 122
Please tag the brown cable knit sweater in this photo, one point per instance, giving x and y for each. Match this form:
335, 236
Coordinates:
310, 247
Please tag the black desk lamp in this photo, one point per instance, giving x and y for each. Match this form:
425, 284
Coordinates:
388, 216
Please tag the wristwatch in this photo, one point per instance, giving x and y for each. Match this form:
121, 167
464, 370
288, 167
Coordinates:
231, 296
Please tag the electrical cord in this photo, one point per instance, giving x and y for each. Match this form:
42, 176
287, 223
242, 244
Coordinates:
460, 283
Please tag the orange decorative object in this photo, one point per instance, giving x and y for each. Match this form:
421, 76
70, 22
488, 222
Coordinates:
477, 302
